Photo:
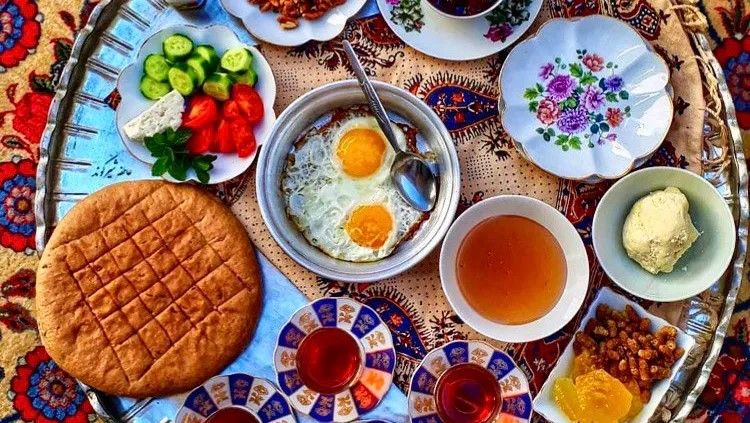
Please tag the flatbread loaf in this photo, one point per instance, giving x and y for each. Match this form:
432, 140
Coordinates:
147, 289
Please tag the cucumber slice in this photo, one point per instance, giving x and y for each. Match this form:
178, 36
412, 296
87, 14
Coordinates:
177, 47
249, 77
153, 89
208, 53
182, 79
218, 86
156, 67
200, 68
237, 60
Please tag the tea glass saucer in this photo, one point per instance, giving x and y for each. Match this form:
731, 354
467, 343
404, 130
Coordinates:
425, 29
378, 361
514, 386
257, 396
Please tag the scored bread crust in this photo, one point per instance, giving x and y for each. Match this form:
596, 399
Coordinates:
147, 288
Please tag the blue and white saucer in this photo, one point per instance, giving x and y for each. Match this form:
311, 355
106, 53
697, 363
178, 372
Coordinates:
379, 360
516, 398
257, 396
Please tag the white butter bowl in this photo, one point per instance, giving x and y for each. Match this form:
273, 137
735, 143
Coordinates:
576, 259
701, 265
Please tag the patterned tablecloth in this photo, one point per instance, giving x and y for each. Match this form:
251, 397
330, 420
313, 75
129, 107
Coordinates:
35, 42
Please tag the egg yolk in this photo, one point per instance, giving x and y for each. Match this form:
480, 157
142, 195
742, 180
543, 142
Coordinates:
370, 225
360, 152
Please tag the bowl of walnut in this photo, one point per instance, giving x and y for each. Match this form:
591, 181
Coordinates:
293, 22
618, 366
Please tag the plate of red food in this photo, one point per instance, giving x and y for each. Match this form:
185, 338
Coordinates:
196, 104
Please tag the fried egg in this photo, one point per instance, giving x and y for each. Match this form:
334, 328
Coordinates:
339, 192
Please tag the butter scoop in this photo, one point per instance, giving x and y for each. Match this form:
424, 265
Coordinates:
658, 230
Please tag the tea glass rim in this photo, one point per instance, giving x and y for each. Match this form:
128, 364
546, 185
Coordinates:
360, 368
252, 413
464, 17
498, 391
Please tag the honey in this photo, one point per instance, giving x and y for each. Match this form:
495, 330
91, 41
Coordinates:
595, 397
511, 269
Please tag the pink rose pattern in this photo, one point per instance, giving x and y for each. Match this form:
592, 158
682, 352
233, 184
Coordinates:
580, 102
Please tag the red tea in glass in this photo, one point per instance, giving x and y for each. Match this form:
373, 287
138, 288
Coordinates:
232, 415
467, 393
328, 360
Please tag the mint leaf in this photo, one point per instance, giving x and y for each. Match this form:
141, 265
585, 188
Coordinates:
159, 167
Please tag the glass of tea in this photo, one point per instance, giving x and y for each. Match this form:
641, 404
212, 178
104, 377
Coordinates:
232, 415
467, 393
329, 360
464, 9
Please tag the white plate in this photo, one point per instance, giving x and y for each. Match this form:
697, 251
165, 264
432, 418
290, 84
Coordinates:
544, 402
264, 26
576, 260
448, 38
133, 103
594, 81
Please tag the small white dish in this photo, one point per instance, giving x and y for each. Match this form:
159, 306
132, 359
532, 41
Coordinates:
577, 279
436, 34
133, 103
701, 265
265, 27
544, 402
586, 98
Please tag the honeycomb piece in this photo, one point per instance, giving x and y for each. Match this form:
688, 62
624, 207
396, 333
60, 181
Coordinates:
603, 399
566, 397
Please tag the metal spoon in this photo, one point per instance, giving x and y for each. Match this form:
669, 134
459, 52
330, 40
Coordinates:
410, 173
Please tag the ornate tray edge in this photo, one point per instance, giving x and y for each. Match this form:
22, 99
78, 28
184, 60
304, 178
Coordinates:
680, 413
738, 265
51, 129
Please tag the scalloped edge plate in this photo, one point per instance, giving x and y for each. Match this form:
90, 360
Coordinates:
264, 26
646, 82
378, 361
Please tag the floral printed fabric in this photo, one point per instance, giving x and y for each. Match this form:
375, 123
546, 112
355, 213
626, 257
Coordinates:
35, 41
579, 103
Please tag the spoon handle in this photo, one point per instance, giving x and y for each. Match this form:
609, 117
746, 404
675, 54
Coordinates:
376, 107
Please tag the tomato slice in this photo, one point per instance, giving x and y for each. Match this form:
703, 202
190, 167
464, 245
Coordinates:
249, 101
244, 137
201, 140
224, 137
202, 111
231, 110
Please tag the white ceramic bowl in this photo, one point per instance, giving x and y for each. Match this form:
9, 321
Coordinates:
544, 402
585, 99
264, 26
699, 268
133, 103
577, 279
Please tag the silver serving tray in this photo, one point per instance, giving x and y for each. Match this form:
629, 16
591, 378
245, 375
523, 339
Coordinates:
81, 152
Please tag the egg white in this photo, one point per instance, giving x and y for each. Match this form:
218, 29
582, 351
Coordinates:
320, 196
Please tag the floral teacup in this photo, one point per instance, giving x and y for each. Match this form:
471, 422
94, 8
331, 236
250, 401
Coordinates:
585, 99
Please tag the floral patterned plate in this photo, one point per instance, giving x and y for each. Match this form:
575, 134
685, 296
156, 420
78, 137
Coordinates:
257, 396
378, 359
585, 99
514, 386
437, 35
